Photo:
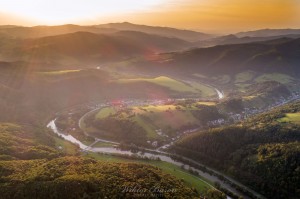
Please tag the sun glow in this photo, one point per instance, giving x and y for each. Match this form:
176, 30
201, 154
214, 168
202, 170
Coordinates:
220, 16
67, 11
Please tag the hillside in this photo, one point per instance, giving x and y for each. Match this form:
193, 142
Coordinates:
80, 48
74, 177
143, 125
268, 32
22, 32
234, 39
157, 43
45, 31
31, 164
137, 52
23, 143
262, 151
257, 95
31, 95
281, 56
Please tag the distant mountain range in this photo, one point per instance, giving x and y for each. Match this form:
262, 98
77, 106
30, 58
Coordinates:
72, 48
43, 31
234, 39
150, 47
197, 39
280, 55
163, 31
268, 33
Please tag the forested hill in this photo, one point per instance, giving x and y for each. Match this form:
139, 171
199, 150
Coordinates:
280, 55
25, 143
262, 152
86, 48
32, 167
74, 177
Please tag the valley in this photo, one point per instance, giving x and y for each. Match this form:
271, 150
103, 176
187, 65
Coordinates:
106, 108
157, 149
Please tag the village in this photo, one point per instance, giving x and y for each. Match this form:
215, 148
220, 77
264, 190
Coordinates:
227, 119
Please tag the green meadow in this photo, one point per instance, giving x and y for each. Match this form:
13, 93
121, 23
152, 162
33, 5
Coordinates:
154, 117
60, 72
175, 85
291, 118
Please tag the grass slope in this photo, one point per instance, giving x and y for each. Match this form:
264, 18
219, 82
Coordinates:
281, 78
291, 118
105, 112
59, 72
174, 85
154, 117
163, 116
244, 76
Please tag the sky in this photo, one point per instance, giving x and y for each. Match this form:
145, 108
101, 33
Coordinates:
202, 15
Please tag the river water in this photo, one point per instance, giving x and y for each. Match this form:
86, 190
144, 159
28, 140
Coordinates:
220, 93
108, 150
162, 156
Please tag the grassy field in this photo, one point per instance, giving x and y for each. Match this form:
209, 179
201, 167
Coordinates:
205, 90
148, 127
282, 78
175, 85
200, 184
199, 75
167, 82
206, 103
163, 117
223, 79
249, 76
105, 112
154, 108
291, 117
60, 72
65, 146
155, 117
242, 87
250, 97
244, 77
172, 107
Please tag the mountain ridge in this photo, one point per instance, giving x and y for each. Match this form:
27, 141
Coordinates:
280, 55
268, 32
188, 35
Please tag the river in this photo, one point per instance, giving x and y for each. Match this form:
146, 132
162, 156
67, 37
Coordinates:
163, 156
220, 93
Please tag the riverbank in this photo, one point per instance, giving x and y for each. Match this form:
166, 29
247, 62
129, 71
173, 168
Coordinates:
162, 156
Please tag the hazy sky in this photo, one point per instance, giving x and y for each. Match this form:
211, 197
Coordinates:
205, 15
